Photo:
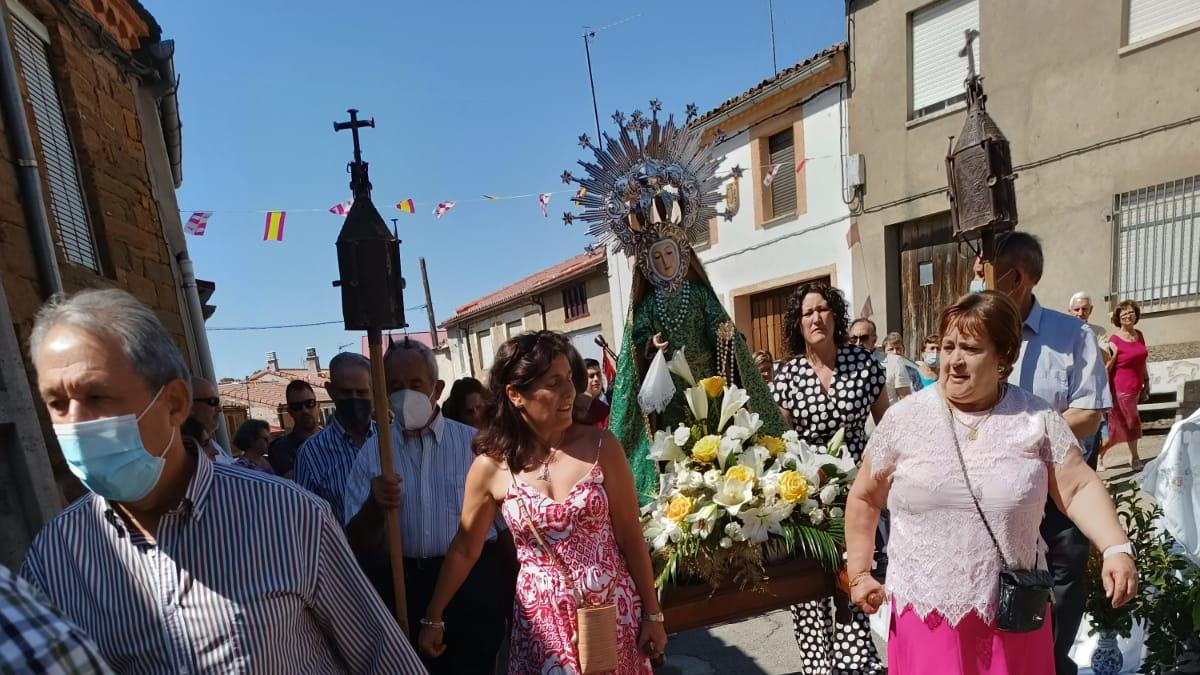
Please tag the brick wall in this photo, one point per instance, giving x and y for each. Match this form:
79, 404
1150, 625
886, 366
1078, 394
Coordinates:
98, 97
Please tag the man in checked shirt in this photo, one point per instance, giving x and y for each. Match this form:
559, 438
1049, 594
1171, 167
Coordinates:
173, 563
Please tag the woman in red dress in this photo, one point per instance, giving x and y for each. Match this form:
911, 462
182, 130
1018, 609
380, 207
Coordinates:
1129, 381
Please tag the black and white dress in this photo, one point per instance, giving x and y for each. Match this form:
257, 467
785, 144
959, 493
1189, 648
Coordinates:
817, 414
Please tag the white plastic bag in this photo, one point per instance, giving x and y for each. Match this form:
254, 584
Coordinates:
658, 388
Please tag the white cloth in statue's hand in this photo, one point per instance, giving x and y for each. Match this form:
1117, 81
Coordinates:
658, 388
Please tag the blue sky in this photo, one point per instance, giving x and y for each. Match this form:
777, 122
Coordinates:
469, 97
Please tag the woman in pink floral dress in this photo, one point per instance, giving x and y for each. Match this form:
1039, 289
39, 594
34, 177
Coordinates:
570, 481
943, 572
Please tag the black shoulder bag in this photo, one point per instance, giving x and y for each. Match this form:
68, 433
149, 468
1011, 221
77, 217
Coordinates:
1024, 594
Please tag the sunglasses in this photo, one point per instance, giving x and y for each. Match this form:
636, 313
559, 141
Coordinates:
302, 405
856, 339
213, 401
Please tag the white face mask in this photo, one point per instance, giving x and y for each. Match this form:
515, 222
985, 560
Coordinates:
413, 410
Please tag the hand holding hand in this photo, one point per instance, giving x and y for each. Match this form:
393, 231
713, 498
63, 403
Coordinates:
868, 594
385, 490
660, 343
1120, 578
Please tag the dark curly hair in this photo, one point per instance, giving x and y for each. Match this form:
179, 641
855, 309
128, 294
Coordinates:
505, 435
794, 335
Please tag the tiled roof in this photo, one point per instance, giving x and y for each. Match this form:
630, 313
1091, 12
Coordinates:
290, 374
825, 53
531, 284
424, 337
272, 394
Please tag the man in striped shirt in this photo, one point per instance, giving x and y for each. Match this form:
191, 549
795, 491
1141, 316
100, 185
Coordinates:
432, 455
324, 461
173, 563
37, 638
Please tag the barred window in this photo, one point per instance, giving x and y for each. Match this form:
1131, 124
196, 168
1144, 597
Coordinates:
61, 168
1156, 233
575, 301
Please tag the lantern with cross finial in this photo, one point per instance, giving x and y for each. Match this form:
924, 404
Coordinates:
368, 253
983, 201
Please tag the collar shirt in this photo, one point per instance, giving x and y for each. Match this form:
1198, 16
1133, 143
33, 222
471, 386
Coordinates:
38, 638
433, 469
1060, 362
248, 574
323, 465
223, 456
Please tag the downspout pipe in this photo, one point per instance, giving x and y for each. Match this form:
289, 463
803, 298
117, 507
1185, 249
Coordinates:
29, 180
164, 55
196, 316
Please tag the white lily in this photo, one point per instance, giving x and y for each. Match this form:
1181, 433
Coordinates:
704, 520
755, 457
733, 494
664, 448
734, 399
697, 400
749, 421
759, 523
679, 365
835, 443
662, 531
728, 448
682, 435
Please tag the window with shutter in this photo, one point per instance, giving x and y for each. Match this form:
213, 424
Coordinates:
937, 35
782, 150
61, 169
487, 354
1148, 18
575, 302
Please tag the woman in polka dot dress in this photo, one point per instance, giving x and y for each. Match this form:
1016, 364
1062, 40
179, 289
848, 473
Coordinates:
829, 385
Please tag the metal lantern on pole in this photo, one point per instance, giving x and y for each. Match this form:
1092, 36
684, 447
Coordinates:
373, 300
983, 199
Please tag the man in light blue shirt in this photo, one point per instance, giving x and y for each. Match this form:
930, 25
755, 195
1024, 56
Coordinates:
1061, 363
431, 456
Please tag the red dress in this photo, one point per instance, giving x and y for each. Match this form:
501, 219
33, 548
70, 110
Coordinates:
580, 531
1129, 372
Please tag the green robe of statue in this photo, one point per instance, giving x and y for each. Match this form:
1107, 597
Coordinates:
688, 318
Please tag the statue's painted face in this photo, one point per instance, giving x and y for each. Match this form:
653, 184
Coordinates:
664, 256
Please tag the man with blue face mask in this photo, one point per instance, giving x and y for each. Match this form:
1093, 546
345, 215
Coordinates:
431, 455
151, 562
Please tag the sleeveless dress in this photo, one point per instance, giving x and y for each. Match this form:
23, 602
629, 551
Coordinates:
1129, 372
579, 530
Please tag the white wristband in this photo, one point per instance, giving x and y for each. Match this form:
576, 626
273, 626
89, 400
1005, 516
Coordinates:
1119, 548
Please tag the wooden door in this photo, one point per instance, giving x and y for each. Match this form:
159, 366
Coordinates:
767, 329
933, 275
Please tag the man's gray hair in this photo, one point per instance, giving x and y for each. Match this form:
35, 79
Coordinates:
347, 359
1080, 295
115, 314
1021, 249
407, 344
863, 319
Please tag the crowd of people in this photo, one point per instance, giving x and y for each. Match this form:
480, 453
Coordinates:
515, 502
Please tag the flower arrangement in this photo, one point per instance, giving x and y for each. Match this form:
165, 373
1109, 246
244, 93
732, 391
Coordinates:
732, 497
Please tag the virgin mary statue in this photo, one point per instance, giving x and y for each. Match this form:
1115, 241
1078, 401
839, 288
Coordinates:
650, 194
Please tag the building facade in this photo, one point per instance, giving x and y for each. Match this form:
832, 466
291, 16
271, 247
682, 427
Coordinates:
1105, 138
89, 163
263, 395
791, 231
571, 297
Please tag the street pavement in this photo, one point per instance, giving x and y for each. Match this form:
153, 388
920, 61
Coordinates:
766, 645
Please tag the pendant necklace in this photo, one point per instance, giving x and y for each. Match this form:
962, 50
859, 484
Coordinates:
544, 476
672, 316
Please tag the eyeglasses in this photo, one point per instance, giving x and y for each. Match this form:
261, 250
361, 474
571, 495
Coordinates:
214, 401
301, 405
858, 339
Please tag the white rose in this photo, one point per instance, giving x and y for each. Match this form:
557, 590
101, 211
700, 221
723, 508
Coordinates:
836, 512
734, 531
682, 436
769, 485
817, 516
808, 506
737, 433
712, 479
726, 542
695, 480
829, 493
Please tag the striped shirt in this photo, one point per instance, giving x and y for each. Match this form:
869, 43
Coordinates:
433, 468
324, 462
248, 574
36, 638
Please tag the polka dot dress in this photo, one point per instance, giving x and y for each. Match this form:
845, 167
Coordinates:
858, 379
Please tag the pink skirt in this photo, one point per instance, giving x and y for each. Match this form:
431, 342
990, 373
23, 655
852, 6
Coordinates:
934, 647
1123, 421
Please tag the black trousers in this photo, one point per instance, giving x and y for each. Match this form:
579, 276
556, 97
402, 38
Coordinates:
475, 618
1067, 562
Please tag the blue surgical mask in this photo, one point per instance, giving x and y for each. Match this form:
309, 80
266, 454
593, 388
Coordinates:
108, 456
932, 359
978, 285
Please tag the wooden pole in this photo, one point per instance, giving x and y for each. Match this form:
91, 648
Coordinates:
987, 251
384, 435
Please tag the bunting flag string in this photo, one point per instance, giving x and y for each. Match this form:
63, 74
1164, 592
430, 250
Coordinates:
770, 177
544, 202
406, 206
274, 226
198, 223
442, 209
341, 209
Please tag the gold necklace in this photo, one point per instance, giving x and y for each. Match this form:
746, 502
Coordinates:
972, 431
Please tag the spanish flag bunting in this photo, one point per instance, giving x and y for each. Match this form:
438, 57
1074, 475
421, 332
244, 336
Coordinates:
274, 226
579, 194
406, 206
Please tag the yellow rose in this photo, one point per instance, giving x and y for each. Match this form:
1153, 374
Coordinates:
705, 449
740, 472
679, 508
773, 444
713, 386
793, 487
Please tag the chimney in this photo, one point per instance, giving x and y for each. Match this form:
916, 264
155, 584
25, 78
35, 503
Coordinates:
272, 361
312, 362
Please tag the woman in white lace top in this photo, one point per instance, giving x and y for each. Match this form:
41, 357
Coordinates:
943, 574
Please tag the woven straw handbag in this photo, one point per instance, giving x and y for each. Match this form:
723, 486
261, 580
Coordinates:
595, 625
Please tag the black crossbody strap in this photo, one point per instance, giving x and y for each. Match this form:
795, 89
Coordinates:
963, 465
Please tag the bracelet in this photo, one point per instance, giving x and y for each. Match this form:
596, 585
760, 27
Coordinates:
657, 617
1126, 548
440, 625
858, 577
